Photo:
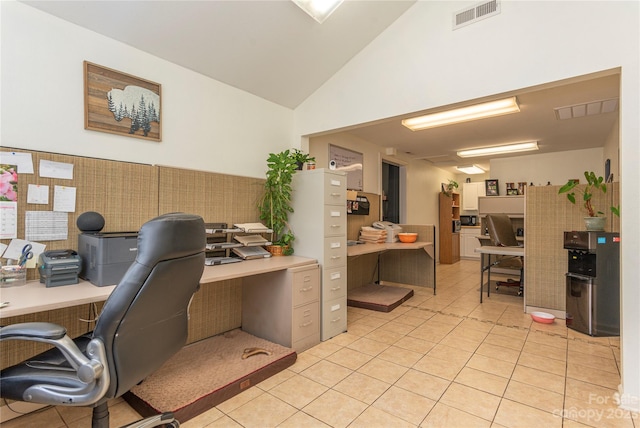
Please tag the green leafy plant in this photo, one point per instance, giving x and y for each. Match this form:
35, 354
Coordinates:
275, 204
450, 187
300, 157
594, 184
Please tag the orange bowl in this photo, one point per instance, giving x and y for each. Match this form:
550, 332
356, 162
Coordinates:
543, 317
407, 238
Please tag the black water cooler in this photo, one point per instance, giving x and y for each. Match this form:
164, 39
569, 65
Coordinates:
593, 282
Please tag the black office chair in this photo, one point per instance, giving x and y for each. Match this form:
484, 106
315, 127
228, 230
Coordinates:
143, 323
502, 235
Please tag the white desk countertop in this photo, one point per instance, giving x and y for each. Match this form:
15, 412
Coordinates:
369, 248
35, 297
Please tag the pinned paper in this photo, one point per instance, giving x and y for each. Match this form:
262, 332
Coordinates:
37, 194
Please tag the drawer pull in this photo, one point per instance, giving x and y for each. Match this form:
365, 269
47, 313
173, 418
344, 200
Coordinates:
335, 194
307, 278
336, 288
334, 225
306, 289
335, 276
306, 324
336, 319
335, 257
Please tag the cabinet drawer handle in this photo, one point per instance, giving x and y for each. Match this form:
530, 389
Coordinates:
306, 289
335, 194
307, 278
306, 324
336, 288
336, 319
335, 257
334, 225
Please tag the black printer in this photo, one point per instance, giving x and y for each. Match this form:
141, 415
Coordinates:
106, 256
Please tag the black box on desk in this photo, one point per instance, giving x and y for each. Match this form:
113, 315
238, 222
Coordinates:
106, 256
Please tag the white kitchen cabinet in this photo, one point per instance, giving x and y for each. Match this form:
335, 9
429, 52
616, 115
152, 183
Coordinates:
470, 194
319, 222
469, 242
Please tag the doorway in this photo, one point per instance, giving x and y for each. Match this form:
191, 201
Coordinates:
392, 192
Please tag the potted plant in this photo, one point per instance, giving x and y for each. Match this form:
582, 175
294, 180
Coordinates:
448, 188
594, 219
275, 204
301, 158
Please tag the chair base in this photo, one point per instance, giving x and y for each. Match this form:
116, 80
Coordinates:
100, 419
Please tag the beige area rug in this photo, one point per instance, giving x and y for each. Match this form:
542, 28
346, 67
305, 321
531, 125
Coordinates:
206, 373
381, 298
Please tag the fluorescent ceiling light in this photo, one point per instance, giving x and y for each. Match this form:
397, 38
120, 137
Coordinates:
470, 169
496, 150
464, 114
318, 9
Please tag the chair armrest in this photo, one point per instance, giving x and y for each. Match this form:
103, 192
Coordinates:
32, 330
88, 369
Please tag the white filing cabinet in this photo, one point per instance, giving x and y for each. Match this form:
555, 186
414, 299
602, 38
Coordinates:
319, 222
284, 307
469, 242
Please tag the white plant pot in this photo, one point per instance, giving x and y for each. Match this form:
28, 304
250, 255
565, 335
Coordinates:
595, 223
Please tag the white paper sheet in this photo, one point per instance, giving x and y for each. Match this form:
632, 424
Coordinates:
46, 225
9, 223
14, 251
23, 161
64, 199
37, 194
55, 169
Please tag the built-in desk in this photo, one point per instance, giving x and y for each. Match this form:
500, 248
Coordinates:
403, 263
35, 297
67, 304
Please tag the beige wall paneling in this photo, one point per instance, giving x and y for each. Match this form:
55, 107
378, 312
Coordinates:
547, 216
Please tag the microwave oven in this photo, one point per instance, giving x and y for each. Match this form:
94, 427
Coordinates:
468, 220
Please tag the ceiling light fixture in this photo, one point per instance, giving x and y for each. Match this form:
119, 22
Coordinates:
497, 150
318, 9
586, 109
463, 114
470, 169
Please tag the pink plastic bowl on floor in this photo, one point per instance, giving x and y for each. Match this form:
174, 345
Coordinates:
542, 317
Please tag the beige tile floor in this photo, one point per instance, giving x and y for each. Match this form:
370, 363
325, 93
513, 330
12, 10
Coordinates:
436, 361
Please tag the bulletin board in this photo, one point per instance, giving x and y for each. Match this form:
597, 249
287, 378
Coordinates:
350, 162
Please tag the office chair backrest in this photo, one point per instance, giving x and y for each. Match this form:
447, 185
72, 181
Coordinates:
144, 320
501, 230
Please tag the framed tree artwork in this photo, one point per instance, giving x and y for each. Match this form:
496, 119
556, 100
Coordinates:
492, 187
119, 103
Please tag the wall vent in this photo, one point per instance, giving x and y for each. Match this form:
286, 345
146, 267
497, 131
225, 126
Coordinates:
475, 13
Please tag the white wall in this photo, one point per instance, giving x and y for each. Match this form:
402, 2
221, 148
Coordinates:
206, 125
419, 63
556, 168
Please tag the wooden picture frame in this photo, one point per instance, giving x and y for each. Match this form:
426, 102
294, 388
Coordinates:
491, 187
113, 100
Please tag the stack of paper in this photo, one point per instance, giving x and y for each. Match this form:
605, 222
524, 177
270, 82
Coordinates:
253, 227
371, 234
251, 240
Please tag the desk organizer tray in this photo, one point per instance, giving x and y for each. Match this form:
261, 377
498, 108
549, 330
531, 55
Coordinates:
206, 373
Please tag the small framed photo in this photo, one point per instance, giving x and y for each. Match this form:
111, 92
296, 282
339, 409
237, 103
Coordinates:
491, 187
512, 192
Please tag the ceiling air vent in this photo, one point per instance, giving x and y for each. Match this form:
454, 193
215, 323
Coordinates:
475, 13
